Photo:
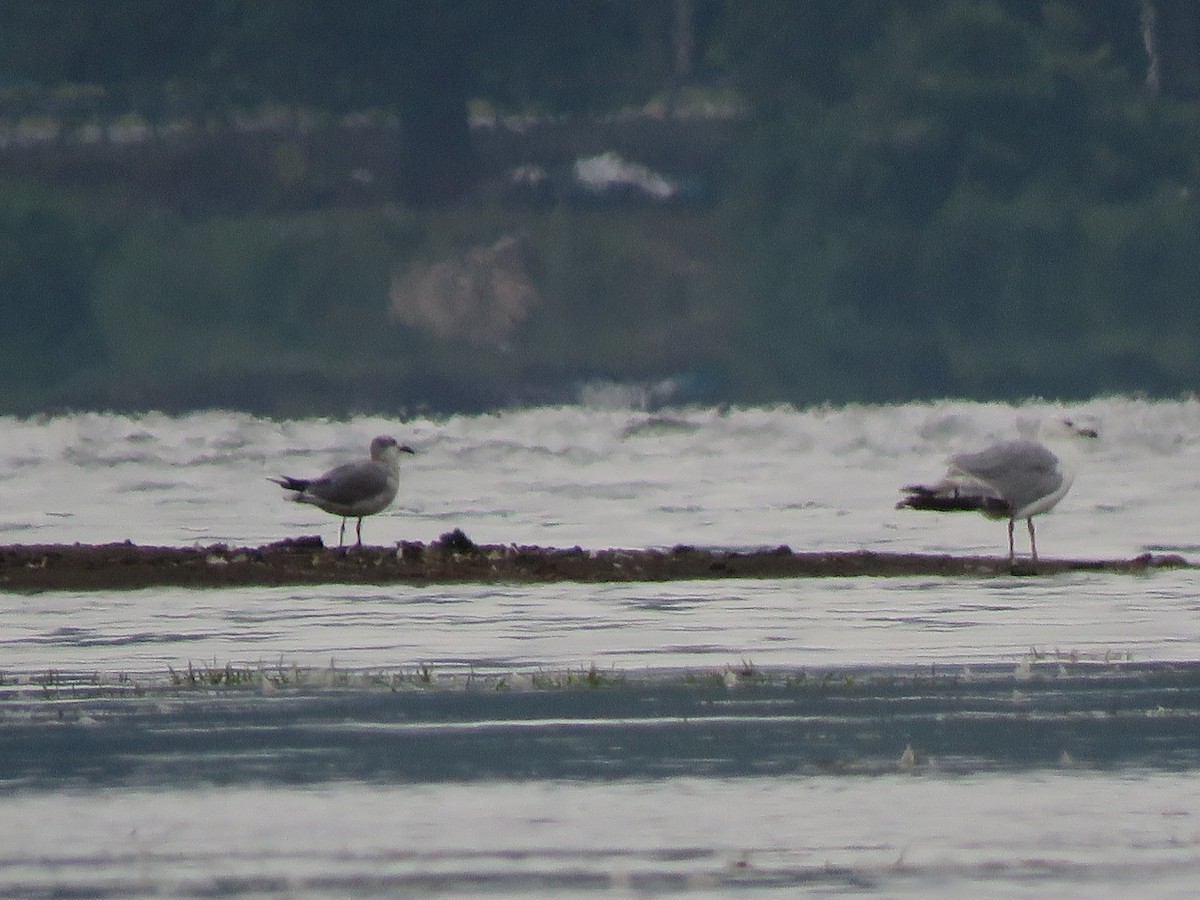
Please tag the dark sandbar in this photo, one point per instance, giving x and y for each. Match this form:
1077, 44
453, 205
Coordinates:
455, 558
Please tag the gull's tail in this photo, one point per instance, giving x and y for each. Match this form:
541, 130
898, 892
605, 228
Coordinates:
942, 498
299, 485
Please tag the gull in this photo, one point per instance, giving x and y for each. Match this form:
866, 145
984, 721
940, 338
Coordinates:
1011, 480
353, 490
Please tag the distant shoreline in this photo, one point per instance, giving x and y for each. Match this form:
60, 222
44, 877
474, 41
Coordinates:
454, 558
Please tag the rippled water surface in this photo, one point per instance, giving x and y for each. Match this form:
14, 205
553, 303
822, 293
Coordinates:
99, 685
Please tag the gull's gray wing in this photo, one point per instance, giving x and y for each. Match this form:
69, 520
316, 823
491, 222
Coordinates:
1019, 471
350, 483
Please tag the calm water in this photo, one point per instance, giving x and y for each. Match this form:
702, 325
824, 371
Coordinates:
436, 741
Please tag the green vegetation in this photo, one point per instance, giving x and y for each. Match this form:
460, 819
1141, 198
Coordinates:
997, 209
988, 198
283, 313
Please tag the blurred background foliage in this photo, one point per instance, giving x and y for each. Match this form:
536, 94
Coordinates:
264, 204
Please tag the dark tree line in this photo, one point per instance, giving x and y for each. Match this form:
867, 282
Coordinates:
424, 59
421, 59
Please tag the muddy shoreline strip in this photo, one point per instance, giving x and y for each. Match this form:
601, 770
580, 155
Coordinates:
454, 558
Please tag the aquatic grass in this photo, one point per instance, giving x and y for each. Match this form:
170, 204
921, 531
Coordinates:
745, 673
215, 676
54, 684
591, 678
283, 676
594, 678
708, 679
48, 681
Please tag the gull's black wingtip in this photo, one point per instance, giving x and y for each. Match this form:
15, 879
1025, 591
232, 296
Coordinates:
289, 484
928, 499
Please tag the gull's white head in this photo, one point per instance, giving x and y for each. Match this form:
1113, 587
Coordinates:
385, 448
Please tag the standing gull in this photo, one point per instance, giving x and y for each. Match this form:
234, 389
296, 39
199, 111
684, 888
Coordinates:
1011, 480
353, 490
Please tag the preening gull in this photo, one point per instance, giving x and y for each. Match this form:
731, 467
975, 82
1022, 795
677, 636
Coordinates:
353, 490
1011, 480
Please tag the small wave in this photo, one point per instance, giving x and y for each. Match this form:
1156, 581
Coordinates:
149, 487
659, 425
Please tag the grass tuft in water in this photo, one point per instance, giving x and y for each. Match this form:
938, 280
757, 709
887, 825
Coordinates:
227, 676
